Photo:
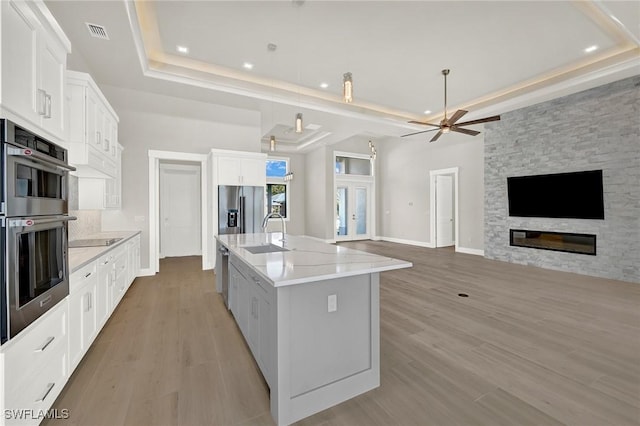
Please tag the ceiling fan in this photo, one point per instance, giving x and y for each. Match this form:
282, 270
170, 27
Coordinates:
451, 124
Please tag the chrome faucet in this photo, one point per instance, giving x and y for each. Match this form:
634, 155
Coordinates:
265, 222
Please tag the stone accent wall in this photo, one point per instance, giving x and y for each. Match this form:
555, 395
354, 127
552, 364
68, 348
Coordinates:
595, 129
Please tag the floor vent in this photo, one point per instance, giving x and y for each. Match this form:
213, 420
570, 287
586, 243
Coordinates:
97, 31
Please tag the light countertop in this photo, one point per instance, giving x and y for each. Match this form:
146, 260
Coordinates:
307, 260
80, 256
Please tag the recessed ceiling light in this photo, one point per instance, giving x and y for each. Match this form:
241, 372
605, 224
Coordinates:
428, 111
182, 49
591, 49
247, 65
324, 85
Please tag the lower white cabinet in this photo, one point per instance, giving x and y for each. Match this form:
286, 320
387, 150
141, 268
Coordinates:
36, 364
251, 304
82, 312
120, 276
36, 367
103, 292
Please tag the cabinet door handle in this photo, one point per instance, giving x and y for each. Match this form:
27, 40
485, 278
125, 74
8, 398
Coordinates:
47, 106
46, 392
98, 138
88, 275
42, 102
47, 343
88, 302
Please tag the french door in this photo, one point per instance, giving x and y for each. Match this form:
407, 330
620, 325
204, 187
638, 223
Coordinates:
353, 211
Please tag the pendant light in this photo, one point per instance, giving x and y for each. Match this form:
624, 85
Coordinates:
347, 87
299, 122
272, 143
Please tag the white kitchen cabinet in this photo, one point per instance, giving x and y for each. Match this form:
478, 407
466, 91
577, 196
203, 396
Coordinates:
120, 285
93, 129
113, 187
133, 253
35, 365
82, 312
246, 169
34, 59
104, 289
251, 306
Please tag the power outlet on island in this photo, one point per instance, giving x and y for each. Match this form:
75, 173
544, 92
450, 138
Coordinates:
332, 303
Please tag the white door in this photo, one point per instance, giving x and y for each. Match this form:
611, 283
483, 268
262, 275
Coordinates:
444, 211
180, 233
353, 211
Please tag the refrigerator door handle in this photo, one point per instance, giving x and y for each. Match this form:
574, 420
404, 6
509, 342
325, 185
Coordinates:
242, 207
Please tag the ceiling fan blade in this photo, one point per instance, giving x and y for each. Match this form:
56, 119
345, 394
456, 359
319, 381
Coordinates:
435, 138
456, 116
465, 131
417, 133
480, 120
423, 123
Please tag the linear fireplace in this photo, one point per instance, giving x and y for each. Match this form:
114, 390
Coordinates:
557, 241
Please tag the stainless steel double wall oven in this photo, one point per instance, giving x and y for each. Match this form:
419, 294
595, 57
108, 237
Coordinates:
34, 216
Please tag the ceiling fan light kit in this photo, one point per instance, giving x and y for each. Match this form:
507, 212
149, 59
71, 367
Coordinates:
451, 124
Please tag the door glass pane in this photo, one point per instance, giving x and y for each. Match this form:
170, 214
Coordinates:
341, 211
33, 182
361, 211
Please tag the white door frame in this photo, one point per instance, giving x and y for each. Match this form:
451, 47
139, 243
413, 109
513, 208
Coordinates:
432, 203
371, 180
351, 183
154, 206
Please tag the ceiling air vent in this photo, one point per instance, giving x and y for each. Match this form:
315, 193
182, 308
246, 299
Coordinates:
97, 31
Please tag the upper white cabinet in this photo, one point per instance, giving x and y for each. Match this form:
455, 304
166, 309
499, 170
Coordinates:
240, 168
34, 60
93, 129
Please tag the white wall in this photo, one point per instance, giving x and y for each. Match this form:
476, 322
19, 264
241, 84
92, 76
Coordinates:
403, 186
150, 121
316, 195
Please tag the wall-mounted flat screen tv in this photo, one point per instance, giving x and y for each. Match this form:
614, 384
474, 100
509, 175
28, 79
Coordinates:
576, 195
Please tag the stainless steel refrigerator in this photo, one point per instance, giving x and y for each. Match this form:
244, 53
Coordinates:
240, 209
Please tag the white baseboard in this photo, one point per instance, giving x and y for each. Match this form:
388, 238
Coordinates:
377, 238
477, 252
146, 272
409, 242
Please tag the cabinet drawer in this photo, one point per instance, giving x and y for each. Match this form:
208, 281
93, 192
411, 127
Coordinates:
34, 347
38, 391
82, 276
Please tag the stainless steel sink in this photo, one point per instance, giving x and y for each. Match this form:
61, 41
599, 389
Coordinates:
265, 248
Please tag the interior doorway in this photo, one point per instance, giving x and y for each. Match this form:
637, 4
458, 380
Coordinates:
180, 209
206, 237
444, 207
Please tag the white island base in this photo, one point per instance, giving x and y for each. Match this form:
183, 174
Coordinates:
316, 341
324, 358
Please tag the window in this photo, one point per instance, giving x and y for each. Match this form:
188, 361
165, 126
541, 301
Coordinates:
277, 187
353, 166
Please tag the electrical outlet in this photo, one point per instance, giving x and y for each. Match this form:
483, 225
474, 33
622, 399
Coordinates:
332, 303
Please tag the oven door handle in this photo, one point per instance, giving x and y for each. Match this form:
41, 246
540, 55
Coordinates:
39, 158
39, 221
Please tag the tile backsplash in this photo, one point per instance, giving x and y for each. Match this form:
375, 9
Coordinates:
88, 222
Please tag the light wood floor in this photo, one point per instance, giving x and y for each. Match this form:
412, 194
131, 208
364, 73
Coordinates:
527, 347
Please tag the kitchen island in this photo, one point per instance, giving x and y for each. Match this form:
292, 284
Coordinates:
309, 312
